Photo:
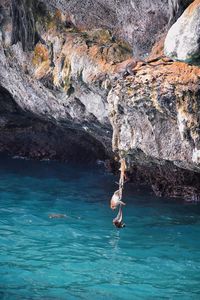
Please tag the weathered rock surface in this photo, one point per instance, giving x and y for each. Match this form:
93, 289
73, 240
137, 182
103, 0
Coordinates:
139, 22
64, 81
57, 69
23, 134
155, 119
183, 39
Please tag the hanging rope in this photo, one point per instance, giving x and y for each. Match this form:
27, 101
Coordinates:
116, 199
122, 175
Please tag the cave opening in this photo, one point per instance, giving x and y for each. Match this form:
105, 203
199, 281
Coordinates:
25, 134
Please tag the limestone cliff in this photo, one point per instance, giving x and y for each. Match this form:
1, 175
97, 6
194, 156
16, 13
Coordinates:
57, 75
155, 119
73, 79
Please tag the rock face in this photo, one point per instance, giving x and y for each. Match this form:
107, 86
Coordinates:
23, 24
64, 81
68, 88
23, 134
183, 39
139, 22
155, 119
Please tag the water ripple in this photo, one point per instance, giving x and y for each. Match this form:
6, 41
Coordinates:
83, 256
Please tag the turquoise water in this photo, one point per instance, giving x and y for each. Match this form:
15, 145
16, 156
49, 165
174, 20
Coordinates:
83, 256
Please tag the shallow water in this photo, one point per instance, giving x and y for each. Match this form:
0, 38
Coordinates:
83, 256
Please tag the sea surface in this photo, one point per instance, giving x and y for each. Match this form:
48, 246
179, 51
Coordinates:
83, 256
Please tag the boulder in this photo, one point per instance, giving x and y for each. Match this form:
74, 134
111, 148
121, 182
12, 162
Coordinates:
183, 39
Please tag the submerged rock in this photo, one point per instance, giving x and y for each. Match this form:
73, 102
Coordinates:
57, 216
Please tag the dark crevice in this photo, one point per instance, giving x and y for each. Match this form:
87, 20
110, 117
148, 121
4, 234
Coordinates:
167, 180
23, 24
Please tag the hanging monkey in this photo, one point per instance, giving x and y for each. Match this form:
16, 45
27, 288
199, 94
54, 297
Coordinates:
117, 196
118, 220
116, 199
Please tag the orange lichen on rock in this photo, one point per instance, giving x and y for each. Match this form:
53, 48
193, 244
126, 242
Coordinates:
89, 55
102, 53
174, 73
100, 36
170, 88
58, 14
41, 54
181, 73
95, 54
158, 48
106, 53
193, 6
42, 70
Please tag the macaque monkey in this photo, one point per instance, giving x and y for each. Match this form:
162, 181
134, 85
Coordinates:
118, 220
116, 199
117, 196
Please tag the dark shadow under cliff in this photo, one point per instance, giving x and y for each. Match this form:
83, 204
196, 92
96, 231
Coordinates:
23, 134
